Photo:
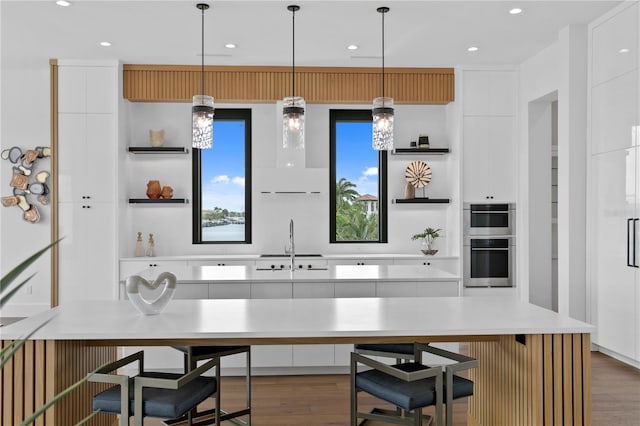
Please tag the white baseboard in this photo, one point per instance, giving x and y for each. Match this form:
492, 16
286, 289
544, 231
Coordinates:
632, 362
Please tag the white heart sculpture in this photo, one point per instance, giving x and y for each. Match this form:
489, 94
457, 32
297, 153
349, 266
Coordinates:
156, 306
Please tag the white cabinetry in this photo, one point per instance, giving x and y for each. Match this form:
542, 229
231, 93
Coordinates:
271, 355
614, 183
87, 144
313, 355
489, 134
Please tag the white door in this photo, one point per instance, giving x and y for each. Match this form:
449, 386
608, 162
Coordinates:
614, 183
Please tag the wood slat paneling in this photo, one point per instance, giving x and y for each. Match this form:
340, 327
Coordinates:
543, 382
40, 370
175, 83
53, 193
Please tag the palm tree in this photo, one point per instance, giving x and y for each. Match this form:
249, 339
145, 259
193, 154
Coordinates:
345, 192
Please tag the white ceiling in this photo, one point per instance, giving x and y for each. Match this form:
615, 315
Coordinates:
418, 33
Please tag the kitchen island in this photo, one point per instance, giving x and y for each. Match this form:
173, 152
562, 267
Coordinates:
534, 365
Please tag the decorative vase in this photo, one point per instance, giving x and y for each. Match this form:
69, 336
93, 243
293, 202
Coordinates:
156, 137
139, 248
153, 189
409, 192
427, 246
167, 192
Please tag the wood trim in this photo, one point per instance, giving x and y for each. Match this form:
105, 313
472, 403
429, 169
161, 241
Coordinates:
546, 381
291, 340
178, 83
55, 235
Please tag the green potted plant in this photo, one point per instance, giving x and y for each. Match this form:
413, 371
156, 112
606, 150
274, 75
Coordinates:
428, 236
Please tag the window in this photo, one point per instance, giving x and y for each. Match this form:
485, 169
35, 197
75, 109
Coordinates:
222, 182
358, 173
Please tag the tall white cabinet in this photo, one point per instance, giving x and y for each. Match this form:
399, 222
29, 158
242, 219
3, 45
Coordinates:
87, 143
489, 105
614, 182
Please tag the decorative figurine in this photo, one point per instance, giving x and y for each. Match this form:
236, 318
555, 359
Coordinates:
151, 247
167, 192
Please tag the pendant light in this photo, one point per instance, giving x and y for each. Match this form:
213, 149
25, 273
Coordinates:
383, 108
202, 109
293, 106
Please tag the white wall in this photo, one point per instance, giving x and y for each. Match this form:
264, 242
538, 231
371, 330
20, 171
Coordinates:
171, 225
560, 68
25, 123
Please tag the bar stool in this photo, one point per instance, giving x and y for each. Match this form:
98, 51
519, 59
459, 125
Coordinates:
410, 386
193, 354
152, 394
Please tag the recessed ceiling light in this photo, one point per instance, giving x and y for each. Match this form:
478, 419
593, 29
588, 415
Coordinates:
105, 44
472, 49
353, 47
515, 11
63, 3
230, 45
623, 50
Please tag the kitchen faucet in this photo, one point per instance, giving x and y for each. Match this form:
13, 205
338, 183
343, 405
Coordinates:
291, 248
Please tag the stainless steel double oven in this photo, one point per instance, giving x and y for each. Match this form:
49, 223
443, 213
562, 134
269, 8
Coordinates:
489, 245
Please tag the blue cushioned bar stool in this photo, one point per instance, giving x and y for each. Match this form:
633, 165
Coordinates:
402, 352
152, 394
193, 354
410, 386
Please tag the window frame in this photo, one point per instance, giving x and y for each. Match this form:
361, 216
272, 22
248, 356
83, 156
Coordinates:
223, 114
354, 115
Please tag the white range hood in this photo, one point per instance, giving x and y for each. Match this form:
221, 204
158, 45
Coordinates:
291, 180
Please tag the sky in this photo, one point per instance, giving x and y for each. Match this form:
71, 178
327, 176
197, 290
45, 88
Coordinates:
223, 174
356, 160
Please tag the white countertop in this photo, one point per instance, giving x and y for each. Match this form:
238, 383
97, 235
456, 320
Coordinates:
295, 320
350, 273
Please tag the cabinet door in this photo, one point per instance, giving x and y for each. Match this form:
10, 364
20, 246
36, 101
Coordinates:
608, 39
488, 158
99, 176
614, 188
355, 289
395, 289
475, 158
86, 271
438, 289
448, 265
614, 114
230, 291
312, 290
271, 355
72, 159
312, 355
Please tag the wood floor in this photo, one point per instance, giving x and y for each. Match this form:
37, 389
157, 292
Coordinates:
324, 399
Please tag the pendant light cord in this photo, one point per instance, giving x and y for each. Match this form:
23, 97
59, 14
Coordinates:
383, 58
202, 54
293, 53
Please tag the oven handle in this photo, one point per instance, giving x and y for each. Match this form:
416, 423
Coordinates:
489, 249
488, 211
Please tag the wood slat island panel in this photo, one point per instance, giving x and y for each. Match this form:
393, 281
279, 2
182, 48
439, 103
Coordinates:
42, 369
545, 381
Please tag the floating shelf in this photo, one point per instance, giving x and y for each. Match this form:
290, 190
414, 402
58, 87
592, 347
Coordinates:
158, 150
421, 200
158, 201
432, 151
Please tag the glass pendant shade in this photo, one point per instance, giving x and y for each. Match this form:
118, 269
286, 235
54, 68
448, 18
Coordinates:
383, 124
202, 111
293, 122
